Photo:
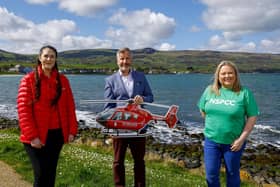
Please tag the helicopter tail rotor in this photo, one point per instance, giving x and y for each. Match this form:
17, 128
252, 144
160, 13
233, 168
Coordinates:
171, 116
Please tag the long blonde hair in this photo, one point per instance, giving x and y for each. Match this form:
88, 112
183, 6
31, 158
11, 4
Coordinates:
216, 83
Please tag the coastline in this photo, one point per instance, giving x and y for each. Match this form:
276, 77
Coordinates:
11, 75
260, 163
82, 72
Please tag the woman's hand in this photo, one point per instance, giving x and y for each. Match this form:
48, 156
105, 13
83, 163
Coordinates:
70, 138
203, 114
236, 145
36, 143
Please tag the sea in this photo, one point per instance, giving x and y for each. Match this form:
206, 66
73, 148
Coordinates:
183, 90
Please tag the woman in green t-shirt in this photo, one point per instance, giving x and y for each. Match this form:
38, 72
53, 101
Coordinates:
230, 113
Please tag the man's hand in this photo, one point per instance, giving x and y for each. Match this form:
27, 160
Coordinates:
138, 99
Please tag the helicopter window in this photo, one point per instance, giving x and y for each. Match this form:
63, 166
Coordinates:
117, 116
135, 116
106, 114
127, 116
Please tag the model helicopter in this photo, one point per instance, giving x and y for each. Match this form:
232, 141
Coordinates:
131, 119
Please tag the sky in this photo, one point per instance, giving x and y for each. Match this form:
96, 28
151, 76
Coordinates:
218, 25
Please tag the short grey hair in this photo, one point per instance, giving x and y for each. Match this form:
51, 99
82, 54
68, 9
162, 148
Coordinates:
122, 50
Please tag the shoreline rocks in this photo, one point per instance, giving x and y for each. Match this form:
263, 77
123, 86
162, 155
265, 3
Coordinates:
261, 162
8, 123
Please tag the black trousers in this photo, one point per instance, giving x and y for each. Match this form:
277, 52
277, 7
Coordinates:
44, 160
137, 147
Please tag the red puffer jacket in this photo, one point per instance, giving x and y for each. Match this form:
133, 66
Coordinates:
35, 116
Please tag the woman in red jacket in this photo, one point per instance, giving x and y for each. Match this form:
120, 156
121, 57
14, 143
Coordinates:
46, 113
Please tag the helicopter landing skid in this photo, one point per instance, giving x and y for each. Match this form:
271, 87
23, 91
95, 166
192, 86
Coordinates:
121, 133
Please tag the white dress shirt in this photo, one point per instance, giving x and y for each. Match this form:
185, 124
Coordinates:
128, 83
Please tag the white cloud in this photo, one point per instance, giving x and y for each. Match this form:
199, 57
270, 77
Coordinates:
79, 7
71, 42
138, 29
194, 28
54, 30
221, 43
215, 40
23, 36
270, 45
41, 2
233, 36
242, 16
166, 47
10, 22
239, 15
238, 18
267, 43
85, 7
250, 47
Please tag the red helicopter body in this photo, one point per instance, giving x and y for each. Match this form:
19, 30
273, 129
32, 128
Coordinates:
131, 118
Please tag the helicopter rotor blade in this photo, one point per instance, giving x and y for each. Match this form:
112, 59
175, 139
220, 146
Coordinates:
103, 101
156, 105
121, 101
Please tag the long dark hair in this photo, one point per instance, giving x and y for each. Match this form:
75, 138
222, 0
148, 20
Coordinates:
38, 81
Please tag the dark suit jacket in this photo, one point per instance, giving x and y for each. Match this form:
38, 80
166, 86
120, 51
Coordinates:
115, 89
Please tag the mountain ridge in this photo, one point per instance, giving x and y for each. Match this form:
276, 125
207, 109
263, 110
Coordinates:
149, 59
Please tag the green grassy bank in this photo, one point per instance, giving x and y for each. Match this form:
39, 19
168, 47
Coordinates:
89, 166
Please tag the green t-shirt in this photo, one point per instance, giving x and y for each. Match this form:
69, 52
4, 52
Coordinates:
226, 114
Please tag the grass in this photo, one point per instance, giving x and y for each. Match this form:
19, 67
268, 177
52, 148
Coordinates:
86, 166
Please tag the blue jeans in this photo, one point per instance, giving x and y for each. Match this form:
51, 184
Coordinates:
213, 155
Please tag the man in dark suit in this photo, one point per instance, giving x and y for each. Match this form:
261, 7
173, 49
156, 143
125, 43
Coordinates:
122, 85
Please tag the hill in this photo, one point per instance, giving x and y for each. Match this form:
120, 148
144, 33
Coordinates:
151, 60
6, 56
